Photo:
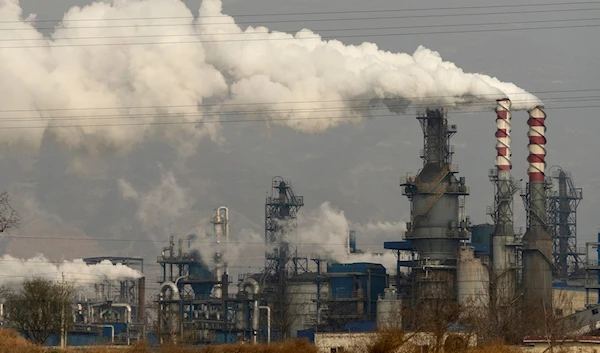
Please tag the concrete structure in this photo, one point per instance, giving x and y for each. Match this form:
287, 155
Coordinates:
537, 243
473, 280
436, 228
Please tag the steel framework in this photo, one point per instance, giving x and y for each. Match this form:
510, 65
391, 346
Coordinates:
281, 210
562, 216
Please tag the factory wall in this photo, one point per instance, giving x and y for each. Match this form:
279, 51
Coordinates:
568, 300
358, 342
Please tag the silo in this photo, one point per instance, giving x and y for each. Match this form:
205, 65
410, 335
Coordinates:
472, 279
389, 310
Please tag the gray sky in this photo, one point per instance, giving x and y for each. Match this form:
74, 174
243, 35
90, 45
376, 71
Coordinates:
356, 167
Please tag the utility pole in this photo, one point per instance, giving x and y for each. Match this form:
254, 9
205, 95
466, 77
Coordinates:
63, 331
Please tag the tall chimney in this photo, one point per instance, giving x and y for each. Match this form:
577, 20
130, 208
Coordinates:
142, 300
537, 242
503, 251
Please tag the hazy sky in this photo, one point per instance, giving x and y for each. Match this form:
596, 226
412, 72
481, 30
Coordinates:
356, 167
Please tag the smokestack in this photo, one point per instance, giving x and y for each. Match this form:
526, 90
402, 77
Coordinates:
537, 242
503, 251
142, 300
503, 117
537, 145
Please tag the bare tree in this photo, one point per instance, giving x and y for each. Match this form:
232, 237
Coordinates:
9, 218
40, 309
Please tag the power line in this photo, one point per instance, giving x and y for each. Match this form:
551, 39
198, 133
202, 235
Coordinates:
207, 122
338, 109
209, 105
327, 110
312, 13
301, 38
313, 30
328, 20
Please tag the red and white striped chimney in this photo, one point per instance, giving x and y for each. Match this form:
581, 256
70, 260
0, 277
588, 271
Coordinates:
503, 116
537, 144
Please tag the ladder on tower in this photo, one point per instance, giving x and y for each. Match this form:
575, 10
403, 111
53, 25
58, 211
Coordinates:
441, 175
432, 200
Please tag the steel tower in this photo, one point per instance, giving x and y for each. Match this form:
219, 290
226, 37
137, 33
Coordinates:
437, 201
280, 222
562, 216
281, 209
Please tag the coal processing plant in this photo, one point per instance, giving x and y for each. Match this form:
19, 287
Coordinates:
441, 258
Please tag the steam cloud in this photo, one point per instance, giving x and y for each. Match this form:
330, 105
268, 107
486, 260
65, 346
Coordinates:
220, 66
76, 272
325, 231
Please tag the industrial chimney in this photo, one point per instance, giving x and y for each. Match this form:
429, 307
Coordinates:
537, 242
503, 246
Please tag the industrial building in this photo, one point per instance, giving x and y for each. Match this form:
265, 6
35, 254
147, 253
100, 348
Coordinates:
442, 258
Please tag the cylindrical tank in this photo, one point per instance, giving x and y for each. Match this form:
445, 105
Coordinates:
472, 279
389, 310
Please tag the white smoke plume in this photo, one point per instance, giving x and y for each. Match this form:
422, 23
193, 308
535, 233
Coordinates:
76, 272
325, 231
51, 82
161, 205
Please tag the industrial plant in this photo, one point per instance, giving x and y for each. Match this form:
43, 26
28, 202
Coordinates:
441, 257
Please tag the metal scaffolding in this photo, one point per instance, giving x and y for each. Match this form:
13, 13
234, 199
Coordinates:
562, 216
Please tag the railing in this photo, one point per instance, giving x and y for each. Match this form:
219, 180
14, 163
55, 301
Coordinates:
432, 200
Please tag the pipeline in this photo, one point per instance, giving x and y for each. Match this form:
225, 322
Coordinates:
252, 283
173, 288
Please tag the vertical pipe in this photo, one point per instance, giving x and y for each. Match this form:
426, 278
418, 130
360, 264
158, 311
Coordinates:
268, 309
564, 210
142, 300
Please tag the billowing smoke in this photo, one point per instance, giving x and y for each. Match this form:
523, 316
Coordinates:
87, 93
161, 205
76, 272
325, 231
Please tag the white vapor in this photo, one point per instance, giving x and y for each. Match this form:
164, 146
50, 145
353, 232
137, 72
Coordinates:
76, 272
218, 67
325, 231
163, 204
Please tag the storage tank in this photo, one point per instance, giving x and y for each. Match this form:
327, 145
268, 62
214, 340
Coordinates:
389, 310
472, 280
481, 234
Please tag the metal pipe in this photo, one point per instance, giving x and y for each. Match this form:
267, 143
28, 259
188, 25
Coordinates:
174, 290
126, 306
268, 309
253, 284
112, 330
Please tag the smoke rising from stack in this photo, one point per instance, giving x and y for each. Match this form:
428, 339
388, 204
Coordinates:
220, 64
76, 272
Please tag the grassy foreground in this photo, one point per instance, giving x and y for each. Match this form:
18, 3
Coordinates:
11, 342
